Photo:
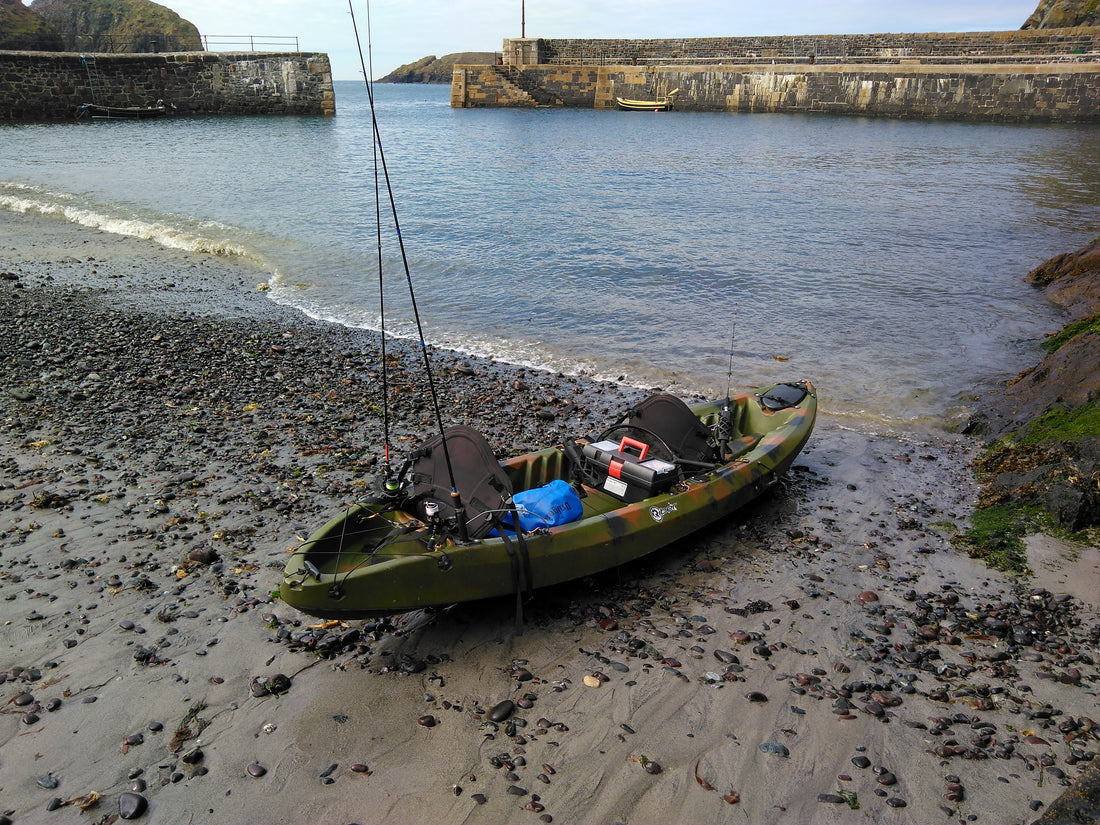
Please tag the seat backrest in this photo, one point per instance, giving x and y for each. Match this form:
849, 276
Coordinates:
480, 480
669, 418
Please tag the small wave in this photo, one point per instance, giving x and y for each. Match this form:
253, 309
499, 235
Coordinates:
30, 202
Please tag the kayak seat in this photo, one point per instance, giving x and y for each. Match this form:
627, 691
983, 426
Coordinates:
482, 483
671, 420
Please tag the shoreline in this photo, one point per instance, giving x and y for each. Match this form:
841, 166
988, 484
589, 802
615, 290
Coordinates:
173, 445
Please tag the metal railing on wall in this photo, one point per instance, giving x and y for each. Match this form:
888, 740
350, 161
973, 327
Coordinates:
248, 42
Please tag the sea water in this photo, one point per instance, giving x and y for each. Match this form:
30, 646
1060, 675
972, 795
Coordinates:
885, 260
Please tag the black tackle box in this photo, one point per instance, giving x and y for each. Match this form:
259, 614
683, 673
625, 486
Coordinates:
623, 469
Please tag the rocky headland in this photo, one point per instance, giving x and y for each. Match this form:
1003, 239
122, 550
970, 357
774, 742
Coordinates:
1061, 14
432, 69
96, 26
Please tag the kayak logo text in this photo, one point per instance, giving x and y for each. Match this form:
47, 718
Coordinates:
659, 513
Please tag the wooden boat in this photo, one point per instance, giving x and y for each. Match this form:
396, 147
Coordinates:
662, 472
94, 110
660, 105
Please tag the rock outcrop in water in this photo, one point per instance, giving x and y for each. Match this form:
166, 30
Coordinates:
118, 26
22, 29
432, 69
1045, 423
1064, 14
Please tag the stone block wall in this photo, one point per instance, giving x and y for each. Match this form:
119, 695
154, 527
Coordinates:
494, 86
44, 86
1056, 93
956, 46
1048, 75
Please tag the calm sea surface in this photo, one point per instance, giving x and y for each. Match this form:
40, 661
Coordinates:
882, 259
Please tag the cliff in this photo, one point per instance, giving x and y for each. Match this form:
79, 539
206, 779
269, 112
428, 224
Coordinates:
24, 30
119, 26
431, 69
1064, 14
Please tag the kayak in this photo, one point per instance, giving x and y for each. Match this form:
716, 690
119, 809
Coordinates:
444, 530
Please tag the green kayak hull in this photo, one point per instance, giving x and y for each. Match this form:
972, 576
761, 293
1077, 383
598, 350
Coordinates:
373, 560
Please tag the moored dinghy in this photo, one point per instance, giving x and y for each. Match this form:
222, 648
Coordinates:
661, 104
660, 474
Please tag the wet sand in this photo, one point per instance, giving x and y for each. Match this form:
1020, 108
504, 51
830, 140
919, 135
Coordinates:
168, 434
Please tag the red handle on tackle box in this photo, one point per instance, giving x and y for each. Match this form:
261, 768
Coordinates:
640, 446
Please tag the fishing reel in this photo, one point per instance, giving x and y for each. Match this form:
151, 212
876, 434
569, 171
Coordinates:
440, 529
388, 489
723, 428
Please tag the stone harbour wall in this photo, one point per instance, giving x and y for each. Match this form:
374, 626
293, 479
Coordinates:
946, 46
1046, 93
1049, 75
45, 86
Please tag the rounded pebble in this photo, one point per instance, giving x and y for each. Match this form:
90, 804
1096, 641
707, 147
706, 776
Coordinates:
428, 721
256, 770
131, 805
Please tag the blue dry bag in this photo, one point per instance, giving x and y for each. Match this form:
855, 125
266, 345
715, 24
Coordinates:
556, 503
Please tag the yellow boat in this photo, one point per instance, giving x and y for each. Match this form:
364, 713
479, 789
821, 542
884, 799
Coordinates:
660, 105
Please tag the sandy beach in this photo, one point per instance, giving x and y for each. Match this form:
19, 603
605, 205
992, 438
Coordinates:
168, 434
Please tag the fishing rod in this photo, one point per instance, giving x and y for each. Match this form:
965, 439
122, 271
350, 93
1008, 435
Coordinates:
380, 160
733, 337
724, 428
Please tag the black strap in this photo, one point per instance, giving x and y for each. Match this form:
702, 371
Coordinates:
520, 559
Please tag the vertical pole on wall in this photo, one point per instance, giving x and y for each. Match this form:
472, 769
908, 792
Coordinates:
523, 18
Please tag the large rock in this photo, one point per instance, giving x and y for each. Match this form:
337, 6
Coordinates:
432, 69
22, 29
1072, 280
119, 26
1068, 377
1046, 422
1064, 14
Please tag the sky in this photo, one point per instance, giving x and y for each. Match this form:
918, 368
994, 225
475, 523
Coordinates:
402, 31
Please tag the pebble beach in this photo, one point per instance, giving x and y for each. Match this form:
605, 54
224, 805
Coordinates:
168, 434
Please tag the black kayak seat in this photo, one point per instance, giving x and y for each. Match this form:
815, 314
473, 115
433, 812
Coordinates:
671, 420
481, 482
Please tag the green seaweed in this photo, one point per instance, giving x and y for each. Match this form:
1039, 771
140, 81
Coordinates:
996, 535
1071, 331
1063, 425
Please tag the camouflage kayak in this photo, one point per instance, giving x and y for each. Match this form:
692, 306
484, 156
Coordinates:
659, 474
